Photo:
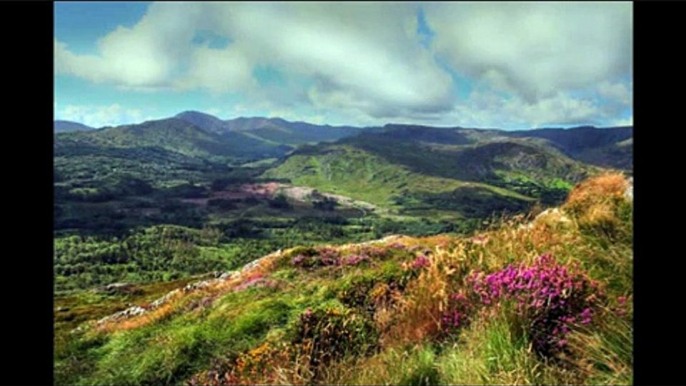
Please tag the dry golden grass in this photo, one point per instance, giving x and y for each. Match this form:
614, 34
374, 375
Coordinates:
599, 189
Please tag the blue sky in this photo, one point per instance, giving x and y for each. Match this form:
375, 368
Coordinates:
511, 66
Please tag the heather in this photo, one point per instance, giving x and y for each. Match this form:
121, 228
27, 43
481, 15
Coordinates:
538, 299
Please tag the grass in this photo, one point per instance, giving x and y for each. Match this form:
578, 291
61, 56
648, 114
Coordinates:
367, 177
378, 321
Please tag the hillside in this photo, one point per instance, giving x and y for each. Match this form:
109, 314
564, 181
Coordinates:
532, 301
605, 147
69, 127
363, 175
596, 146
179, 136
414, 168
271, 130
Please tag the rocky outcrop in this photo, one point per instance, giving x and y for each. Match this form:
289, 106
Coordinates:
629, 192
118, 288
219, 277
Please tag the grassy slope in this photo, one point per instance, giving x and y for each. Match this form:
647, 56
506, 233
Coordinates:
365, 176
378, 318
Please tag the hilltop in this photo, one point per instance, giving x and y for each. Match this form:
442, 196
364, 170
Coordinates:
271, 130
543, 299
69, 126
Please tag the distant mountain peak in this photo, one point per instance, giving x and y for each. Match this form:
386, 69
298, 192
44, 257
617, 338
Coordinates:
62, 126
203, 120
191, 113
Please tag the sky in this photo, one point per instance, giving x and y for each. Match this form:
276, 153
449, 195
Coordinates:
485, 65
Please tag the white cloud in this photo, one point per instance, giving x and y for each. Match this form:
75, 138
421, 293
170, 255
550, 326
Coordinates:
535, 50
617, 92
624, 122
99, 116
218, 70
144, 56
360, 56
488, 109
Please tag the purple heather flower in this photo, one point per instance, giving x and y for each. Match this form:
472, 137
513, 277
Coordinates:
420, 261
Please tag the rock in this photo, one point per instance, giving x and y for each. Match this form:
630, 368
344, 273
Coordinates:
121, 288
63, 309
553, 215
629, 192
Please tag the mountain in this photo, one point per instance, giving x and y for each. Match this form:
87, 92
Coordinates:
180, 136
205, 121
291, 133
271, 130
413, 168
607, 147
604, 147
69, 127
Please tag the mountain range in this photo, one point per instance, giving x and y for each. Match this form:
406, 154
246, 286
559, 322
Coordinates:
200, 134
411, 170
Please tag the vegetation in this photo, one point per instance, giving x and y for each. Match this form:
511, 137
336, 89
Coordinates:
198, 251
528, 301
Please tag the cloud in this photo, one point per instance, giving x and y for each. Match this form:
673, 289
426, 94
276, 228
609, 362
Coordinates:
528, 62
357, 56
617, 92
489, 109
100, 116
624, 122
145, 56
218, 71
534, 50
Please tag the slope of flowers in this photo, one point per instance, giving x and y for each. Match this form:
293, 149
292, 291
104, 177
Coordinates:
543, 301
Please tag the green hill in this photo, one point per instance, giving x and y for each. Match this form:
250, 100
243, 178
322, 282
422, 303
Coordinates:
411, 168
179, 136
601, 147
270, 130
360, 174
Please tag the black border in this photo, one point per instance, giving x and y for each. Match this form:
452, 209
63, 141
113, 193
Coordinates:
27, 296
658, 162
27, 305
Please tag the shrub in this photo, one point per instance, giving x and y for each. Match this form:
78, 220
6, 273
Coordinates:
326, 335
549, 299
422, 371
319, 257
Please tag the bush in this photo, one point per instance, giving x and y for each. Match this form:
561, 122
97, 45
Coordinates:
280, 202
549, 299
326, 335
423, 372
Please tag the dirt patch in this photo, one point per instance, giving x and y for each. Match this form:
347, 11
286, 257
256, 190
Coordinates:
259, 191
301, 193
